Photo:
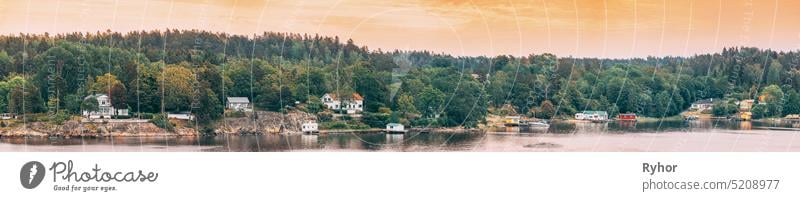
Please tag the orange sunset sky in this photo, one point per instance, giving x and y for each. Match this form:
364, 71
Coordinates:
583, 28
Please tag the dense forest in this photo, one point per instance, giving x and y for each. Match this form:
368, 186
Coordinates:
151, 72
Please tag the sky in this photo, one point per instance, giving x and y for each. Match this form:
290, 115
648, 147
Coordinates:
579, 28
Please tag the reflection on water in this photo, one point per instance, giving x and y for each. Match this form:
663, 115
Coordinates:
745, 125
394, 138
374, 141
499, 139
561, 127
310, 140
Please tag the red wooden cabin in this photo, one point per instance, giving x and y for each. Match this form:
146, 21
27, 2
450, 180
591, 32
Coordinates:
627, 117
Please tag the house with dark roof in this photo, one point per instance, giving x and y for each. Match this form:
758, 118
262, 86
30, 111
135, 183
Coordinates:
702, 105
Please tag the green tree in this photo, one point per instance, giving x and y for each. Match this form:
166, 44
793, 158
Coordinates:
146, 96
209, 108
546, 110
724, 108
430, 101
6, 86
773, 97
104, 83
118, 96
72, 104
405, 104
662, 103
90, 104
5, 63
315, 105
774, 72
177, 88
25, 100
15, 99
792, 103
759, 111
370, 86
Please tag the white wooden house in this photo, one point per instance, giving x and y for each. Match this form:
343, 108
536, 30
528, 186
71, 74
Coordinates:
592, 115
702, 105
352, 105
239, 104
105, 110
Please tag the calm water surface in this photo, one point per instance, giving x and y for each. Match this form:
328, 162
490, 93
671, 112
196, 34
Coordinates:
708, 135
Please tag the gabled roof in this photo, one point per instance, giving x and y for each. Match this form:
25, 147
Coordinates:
356, 96
705, 101
95, 96
238, 100
595, 112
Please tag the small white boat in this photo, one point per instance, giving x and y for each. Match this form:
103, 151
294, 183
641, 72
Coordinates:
538, 124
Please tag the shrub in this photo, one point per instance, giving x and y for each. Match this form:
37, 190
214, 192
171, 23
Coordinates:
724, 108
335, 125
235, 114
146, 115
59, 117
161, 121
759, 111
375, 120
344, 125
324, 116
425, 122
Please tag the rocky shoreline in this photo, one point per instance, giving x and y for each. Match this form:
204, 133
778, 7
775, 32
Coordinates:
265, 123
149, 130
76, 129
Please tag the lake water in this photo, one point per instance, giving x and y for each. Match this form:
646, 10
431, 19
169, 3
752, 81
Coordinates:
707, 135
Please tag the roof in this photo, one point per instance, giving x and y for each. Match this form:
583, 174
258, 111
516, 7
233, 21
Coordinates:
595, 112
95, 96
238, 100
393, 124
705, 101
356, 96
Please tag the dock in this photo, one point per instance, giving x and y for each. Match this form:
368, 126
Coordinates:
777, 128
350, 131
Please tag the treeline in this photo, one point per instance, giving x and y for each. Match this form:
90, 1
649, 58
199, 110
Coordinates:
187, 70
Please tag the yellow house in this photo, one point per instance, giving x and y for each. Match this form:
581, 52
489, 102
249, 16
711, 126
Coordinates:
511, 120
745, 105
745, 116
